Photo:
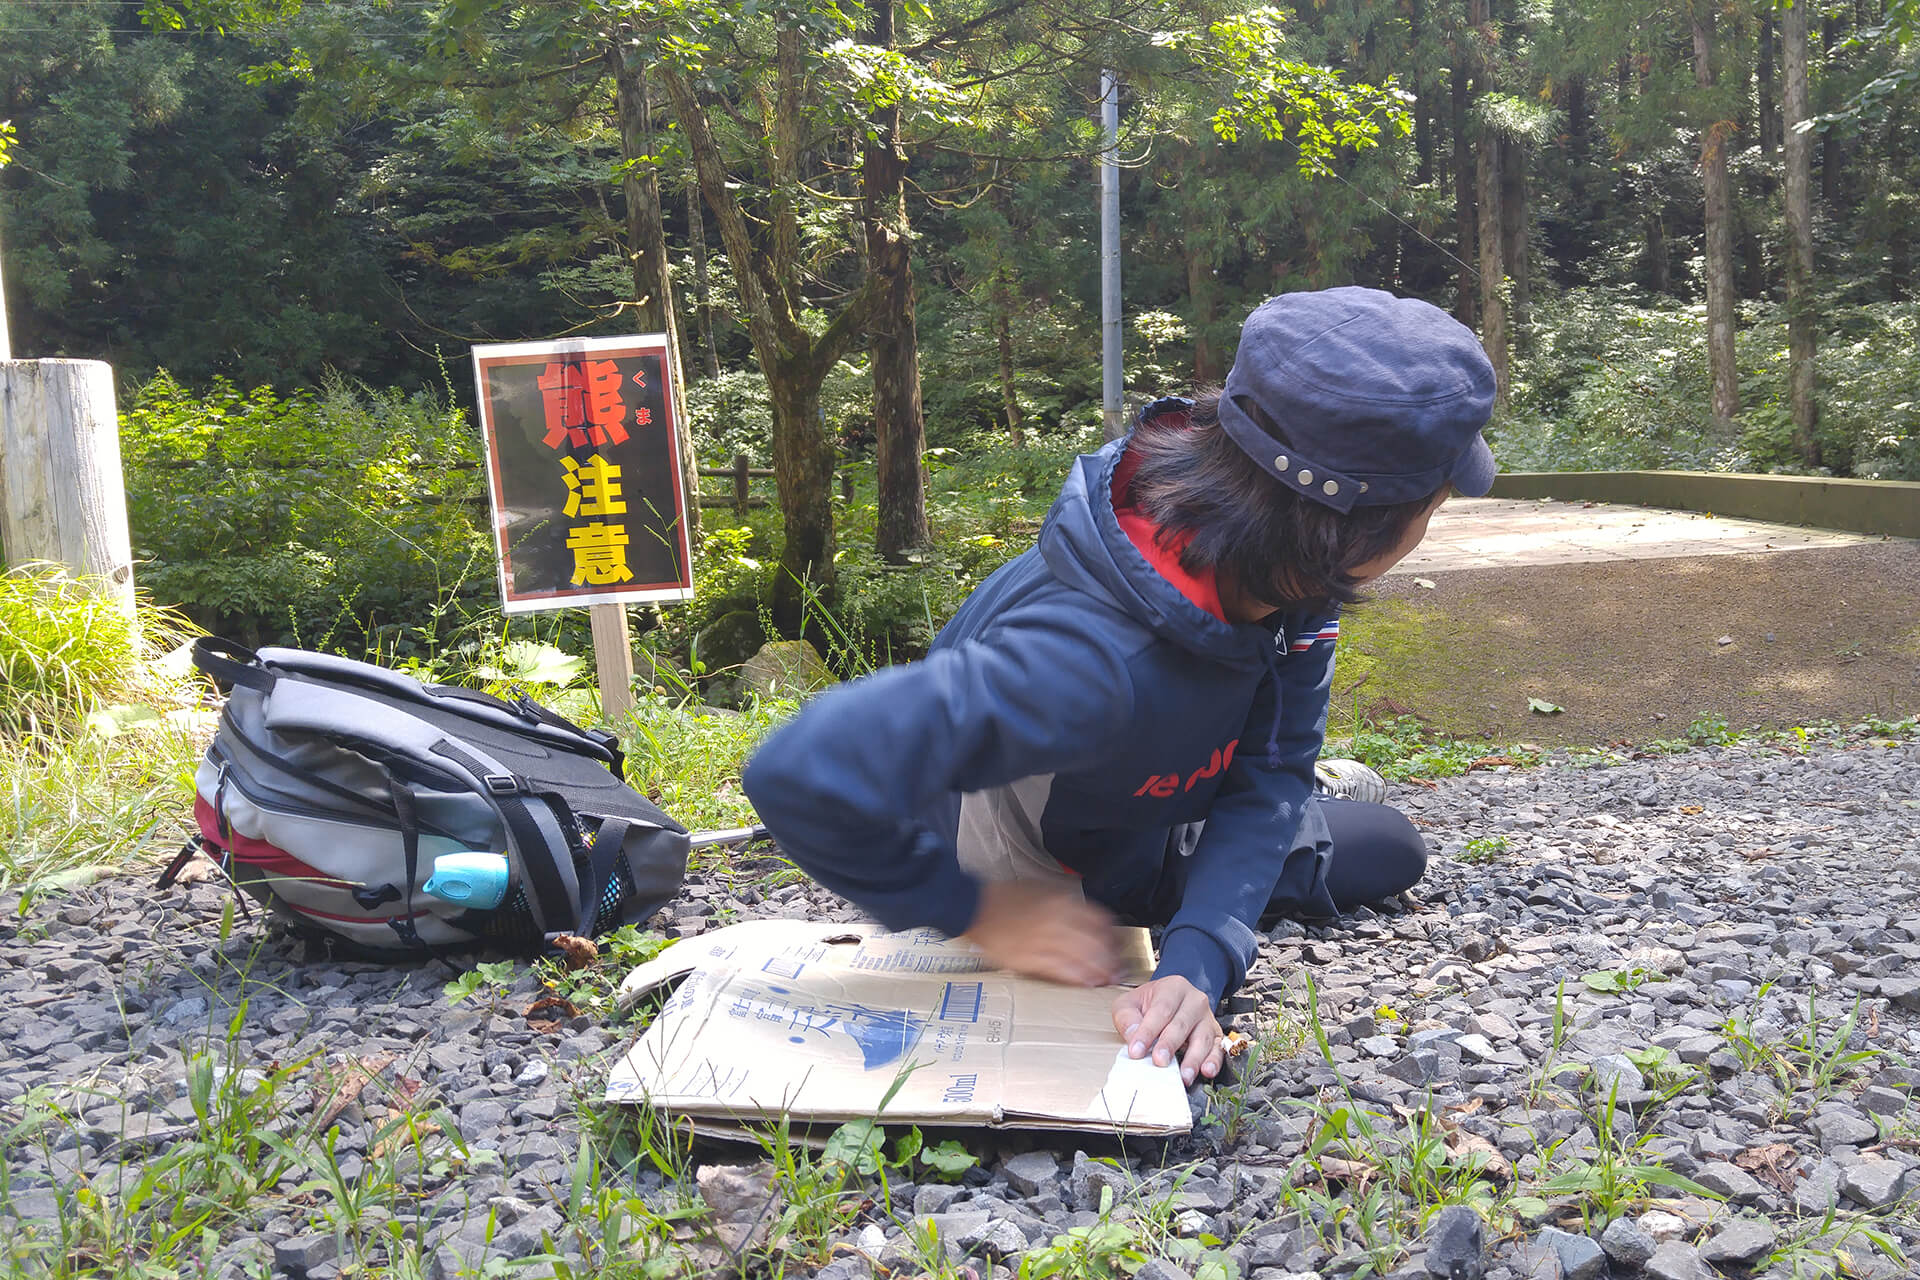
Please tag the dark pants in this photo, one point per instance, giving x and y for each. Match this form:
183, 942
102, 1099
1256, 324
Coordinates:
1368, 853
1375, 853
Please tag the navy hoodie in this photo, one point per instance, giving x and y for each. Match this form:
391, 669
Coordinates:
1076, 659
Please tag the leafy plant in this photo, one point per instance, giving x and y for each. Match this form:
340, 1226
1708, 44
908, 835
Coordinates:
1483, 849
1611, 981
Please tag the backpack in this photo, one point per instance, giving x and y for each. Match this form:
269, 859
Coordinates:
332, 786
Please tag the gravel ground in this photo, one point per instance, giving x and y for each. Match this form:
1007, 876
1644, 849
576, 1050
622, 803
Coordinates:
1573, 919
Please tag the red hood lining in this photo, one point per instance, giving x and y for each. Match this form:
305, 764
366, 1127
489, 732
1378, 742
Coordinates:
1201, 589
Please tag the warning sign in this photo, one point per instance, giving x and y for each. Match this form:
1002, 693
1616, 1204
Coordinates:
584, 472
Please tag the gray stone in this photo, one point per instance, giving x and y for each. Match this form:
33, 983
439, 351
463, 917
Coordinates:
1904, 992
787, 669
1578, 1257
1627, 1244
1455, 1242
1615, 1071
1872, 1183
1729, 1180
1842, 1127
182, 1012
933, 1197
1880, 1101
302, 1254
1204, 1194
1819, 1190
1740, 1241
1676, 1261
1422, 1066
1030, 1172
957, 1230
1091, 1177
1160, 1269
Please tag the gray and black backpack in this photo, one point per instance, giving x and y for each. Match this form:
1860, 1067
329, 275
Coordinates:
333, 785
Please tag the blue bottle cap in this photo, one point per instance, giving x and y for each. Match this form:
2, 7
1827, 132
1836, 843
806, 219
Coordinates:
471, 878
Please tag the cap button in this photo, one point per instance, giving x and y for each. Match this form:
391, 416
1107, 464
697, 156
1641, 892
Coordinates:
1280, 462
1330, 488
1306, 476
1363, 486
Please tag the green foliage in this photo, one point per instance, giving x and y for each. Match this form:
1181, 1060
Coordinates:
1483, 849
1276, 97
66, 649
1614, 384
354, 511
1402, 747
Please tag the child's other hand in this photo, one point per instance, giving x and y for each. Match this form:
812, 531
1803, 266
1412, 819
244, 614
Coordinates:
1171, 1018
1046, 932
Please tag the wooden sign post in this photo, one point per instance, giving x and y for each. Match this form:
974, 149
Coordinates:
62, 496
585, 477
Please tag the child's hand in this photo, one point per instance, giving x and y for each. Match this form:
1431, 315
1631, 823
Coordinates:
1170, 1017
1046, 932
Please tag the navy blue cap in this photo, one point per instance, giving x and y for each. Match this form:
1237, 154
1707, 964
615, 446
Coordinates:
1353, 397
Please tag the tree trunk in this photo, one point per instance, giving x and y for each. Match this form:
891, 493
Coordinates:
1830, 142
1798, 154
1719, 218
1464, 214
647, 242
1899, 260
1516, 241
803, 461
1763, 75
900, 430
1493, 283
1203, 293
1003, 335
1659, 260
767, 270
702, 287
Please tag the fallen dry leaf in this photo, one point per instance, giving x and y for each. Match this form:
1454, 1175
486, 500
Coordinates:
1692, 808
399, 1136
1466, 1147
346, 1088
1335, 1169
199, 867
550, 1004
1772, 1163
1493, 762
575, 951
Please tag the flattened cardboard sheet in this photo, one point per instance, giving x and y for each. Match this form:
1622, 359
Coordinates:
818, 1022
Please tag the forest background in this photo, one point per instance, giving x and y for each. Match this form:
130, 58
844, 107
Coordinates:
872, 230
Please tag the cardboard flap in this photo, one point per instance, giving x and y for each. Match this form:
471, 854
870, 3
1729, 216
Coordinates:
825, 1023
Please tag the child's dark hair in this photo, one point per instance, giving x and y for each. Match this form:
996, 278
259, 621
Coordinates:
1255, 533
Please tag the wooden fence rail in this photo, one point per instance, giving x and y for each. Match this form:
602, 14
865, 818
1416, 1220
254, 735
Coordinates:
741, 473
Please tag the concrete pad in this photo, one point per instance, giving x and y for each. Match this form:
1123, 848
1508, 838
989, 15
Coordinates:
1493, 533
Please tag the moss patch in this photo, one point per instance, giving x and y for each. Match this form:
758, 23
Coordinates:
1632, 649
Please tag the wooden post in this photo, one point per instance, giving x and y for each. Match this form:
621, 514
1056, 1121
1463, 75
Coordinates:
613, 661
62, 496
740, 476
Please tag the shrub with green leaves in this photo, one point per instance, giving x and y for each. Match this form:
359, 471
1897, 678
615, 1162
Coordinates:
294, 517
1609, 381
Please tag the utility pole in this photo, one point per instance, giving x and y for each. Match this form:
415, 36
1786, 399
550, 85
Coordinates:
1112, 380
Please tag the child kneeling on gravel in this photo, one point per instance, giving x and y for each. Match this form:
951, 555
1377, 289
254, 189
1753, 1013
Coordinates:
1123, 722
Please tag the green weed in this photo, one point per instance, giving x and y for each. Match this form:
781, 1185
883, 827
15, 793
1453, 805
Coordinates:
1483, 849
